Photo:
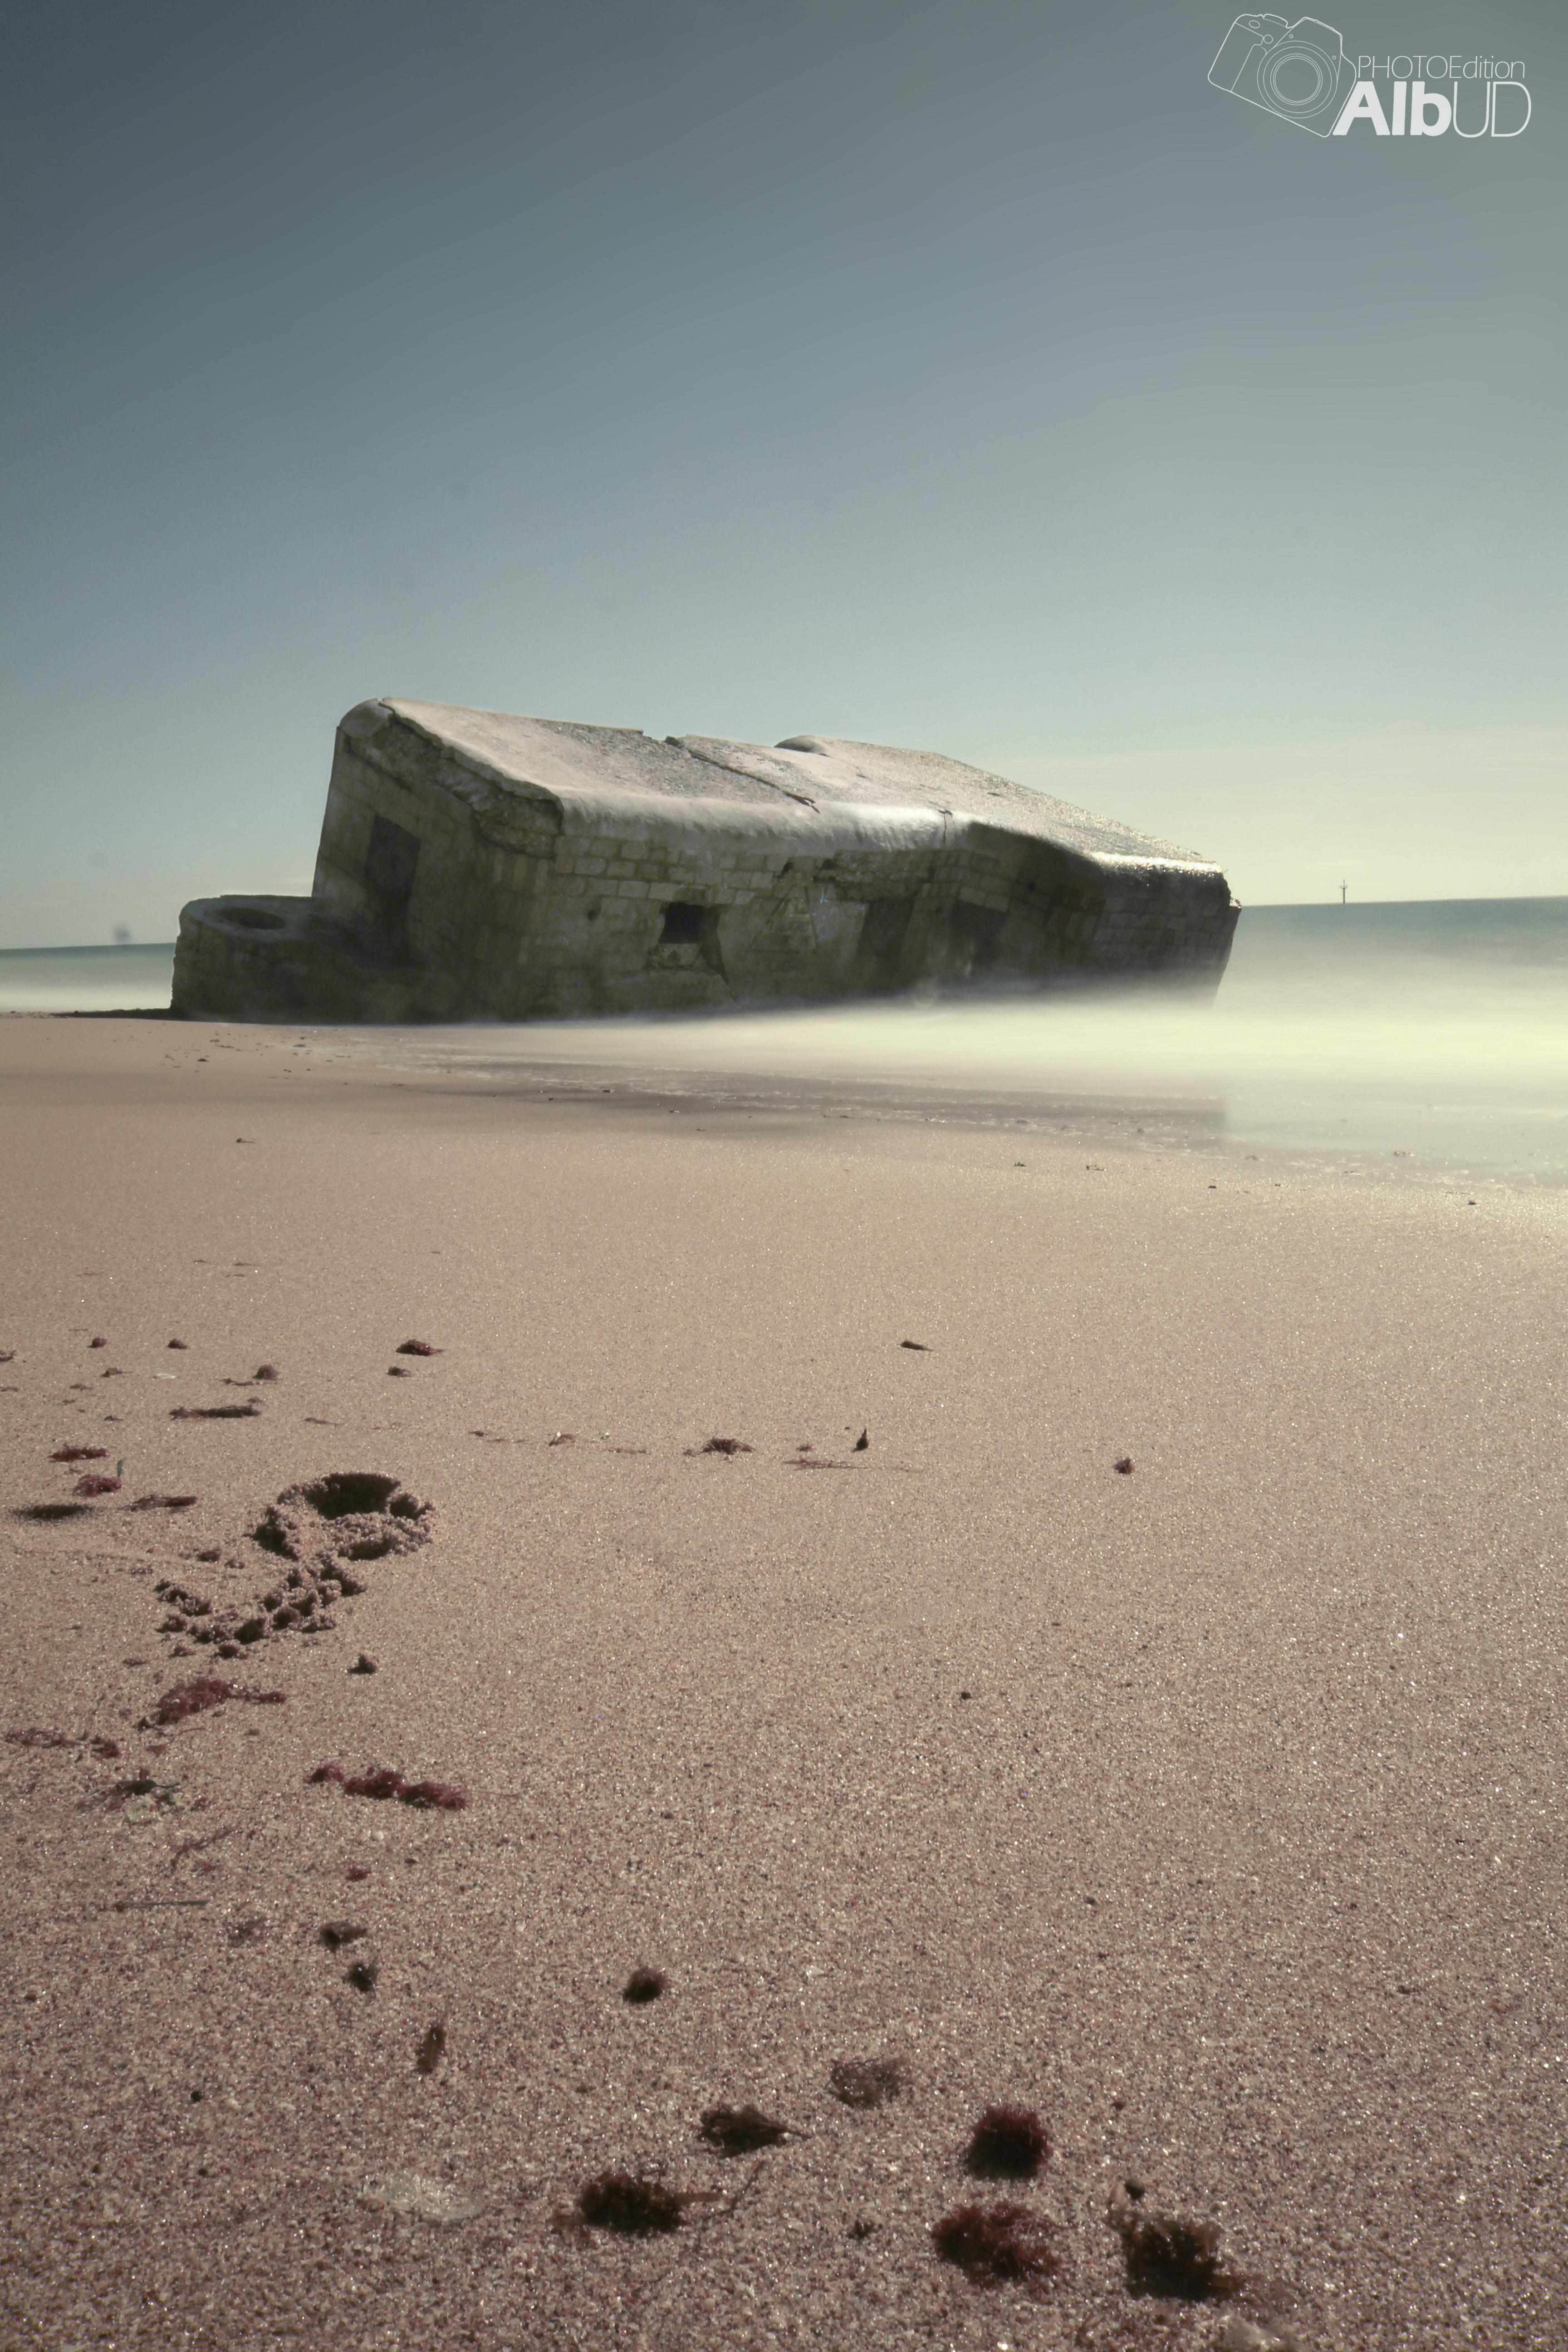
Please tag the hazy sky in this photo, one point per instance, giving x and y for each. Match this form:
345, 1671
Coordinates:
973, 377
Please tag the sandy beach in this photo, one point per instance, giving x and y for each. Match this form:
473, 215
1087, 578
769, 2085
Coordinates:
1210, 1809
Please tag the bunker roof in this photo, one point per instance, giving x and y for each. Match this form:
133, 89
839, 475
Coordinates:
804, 772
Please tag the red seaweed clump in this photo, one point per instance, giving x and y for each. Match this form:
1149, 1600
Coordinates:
1008, 2144
999, 2245
185, 1699
95, 1483
79, 1453
430, 1796
382, 1782
631, 2204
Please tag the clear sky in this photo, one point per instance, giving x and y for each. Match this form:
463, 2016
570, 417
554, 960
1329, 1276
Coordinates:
970, 375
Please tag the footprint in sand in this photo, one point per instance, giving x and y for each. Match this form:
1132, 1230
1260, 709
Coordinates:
310, 1534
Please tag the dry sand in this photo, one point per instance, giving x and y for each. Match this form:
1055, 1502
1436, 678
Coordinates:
1212, 1809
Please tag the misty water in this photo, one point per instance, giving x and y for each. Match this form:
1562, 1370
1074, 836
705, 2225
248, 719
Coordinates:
1429, 1037
86, 980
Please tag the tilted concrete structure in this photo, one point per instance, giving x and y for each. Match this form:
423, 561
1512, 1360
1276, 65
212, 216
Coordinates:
475, 865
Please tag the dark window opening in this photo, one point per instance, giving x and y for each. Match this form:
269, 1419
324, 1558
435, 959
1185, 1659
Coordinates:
390, 861
682, 926
881, 946
976, 935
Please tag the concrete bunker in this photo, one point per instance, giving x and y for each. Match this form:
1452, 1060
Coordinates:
475, 865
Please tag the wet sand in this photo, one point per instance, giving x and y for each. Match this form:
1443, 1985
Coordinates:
1211, 1809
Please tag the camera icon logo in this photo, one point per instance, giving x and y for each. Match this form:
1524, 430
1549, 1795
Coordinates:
1298, 71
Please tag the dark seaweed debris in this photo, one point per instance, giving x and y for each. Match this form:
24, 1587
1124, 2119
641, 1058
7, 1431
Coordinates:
431, 2050
79, 1453
185, 1699
94, 1482
917, 1347
416, 1348
46, 1512
361, 1976
720, 1445
1125, 1466
163, 1503
247, 1411
634, 2205
741, 2131
998, 2245
644, 1985
1008, 2144
867, 2082
1170, 2254
336, 1933
381, 1781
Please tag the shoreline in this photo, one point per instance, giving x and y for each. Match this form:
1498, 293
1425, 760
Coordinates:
1498, 1147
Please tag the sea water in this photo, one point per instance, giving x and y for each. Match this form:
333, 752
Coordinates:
1420, 1038
1432, 1034
87, 979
